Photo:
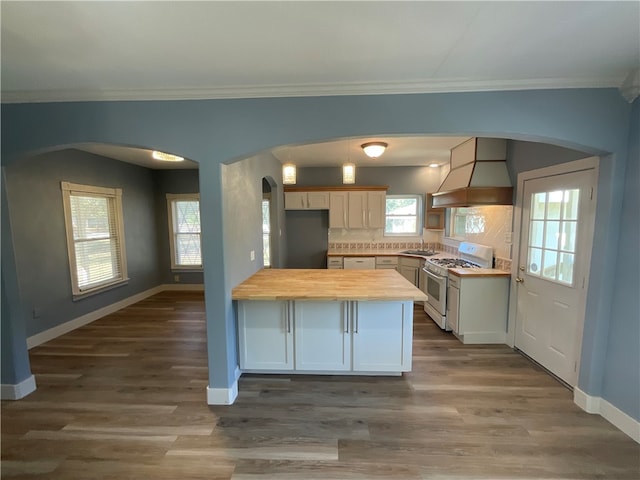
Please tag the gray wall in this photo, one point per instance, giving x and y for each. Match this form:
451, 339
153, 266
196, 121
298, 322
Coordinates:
36, 211
621, 379
172, 181
401, 180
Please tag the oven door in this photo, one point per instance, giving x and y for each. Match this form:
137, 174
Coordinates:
436, 290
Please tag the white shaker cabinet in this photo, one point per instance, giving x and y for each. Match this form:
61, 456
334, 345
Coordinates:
322, 336
410, 268
306, 200
265, 335
376, 209
338, 209
382, 336
366, 209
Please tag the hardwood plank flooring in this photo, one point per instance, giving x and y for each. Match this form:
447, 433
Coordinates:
124, 398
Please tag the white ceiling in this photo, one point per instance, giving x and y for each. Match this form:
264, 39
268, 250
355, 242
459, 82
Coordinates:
67, 51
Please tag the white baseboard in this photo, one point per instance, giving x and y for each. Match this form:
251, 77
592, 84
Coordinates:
19, 390
611, 413
50, 334
222, 396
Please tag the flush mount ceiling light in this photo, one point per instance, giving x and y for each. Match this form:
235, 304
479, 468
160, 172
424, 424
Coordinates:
289, 174
166, 157
374, 149
434, 165
348, 173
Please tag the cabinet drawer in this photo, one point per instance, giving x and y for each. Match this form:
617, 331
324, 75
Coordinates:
334, 262
359, 263
411, 262
386, 260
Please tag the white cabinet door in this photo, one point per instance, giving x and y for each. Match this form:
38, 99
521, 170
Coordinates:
338, 209
318, 200
295, 200
265, 333
376, 207
357, 210
453, 308
322, 336
382, 333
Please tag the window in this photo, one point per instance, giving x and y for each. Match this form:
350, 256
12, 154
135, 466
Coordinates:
95, 237
465, 220
266, 230
403, 215
184, 231
553, 223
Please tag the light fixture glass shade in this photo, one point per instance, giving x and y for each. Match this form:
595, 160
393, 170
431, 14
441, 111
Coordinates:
166, 157
348, 173
289, 174
434, 165
374, 149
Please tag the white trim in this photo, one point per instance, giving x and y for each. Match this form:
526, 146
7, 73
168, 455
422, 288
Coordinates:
307, 90
50, 334
609, 412
19, 390
222, 396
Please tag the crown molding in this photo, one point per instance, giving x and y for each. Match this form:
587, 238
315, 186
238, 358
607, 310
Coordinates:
304, 90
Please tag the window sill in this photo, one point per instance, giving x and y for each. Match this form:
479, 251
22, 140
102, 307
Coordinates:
187, 269
98, 290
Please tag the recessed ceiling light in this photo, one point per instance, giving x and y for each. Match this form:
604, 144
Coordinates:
433, 165
166, 157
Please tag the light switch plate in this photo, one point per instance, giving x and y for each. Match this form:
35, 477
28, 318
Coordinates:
508, 238
252, 254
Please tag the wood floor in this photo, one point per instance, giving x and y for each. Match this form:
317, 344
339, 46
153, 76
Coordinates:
124, 398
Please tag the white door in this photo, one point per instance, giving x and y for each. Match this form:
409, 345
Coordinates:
555, 251
322, 336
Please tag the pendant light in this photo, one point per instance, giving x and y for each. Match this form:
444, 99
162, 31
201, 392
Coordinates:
289, 174
348, 173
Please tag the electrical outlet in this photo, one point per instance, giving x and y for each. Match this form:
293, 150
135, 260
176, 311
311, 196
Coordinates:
252, 255
176, 278
508, 238
36, 312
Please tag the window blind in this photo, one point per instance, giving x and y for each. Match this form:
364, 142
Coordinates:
186, 231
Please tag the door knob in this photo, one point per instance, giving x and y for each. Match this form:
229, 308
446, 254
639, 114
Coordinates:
519, 280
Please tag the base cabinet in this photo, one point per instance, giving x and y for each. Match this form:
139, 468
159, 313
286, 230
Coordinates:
325, 337
382, 336
265, 335
322, 336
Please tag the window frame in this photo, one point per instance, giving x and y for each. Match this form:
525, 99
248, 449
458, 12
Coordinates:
176, 197
266, 197
419, 215
114, 195
450, 216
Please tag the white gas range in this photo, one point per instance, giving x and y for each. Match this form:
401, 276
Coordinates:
436, 273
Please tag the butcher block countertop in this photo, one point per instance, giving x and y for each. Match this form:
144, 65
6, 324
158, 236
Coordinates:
478, 272
327, 285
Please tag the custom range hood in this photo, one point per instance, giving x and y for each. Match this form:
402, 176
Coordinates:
478, 175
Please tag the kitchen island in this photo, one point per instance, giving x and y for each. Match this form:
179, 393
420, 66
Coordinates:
348, 322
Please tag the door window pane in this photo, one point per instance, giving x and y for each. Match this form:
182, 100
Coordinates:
568, 238
554, 205
565, 271
552, 235
538, 203
535, 261
550, 266
571, 204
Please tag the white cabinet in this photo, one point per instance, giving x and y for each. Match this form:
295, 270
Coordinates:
338, 202
477, 308
387, 262
334, 262
322, 336
306, 200
265, 335
357, 209
340, 337
366, 209
359, 263
382, 336
410, 267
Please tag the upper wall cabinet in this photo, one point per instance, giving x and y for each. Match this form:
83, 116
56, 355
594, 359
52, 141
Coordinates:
366, 209
306, 200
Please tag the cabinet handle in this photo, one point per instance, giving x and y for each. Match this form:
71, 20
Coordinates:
369, 217
355, 311
288, 316
302, 202
345, 311
363, 220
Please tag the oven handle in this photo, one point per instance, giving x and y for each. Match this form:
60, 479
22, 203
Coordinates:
433, 275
